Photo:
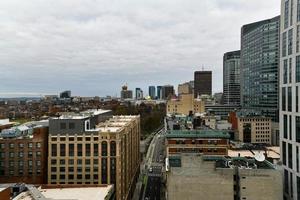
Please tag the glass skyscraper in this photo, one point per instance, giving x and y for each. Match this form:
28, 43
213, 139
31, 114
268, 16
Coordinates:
260, 67
289, 97
231, 78
152, 92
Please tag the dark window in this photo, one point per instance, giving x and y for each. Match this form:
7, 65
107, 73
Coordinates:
79, 149
96, 149
53, 162
290, 99
283, 99
290, 126
297, 99
71, 125
290, 156
104, 170
104, 148
285, 127
284, 153
71, 150
298, 69
285, 71
290, 71
54, 150
286, 13
286, 181
87, 161
62, 149
112, 148
290, 42
297, 129
63, 126
297, 159
298, 187
87, 149
112, 170
284, 44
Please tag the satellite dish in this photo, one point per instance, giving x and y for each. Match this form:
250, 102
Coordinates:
260, 157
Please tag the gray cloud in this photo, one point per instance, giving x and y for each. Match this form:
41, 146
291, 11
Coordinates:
94, 46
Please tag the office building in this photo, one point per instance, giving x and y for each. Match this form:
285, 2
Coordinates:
185, 88
159, 94
254, 129
185, 104
207, 142
139, 94
125, 93
260, 67
167, 91
202, 83
231, 78
65, 94
23, 153
194, 177
289, 97
87, 150
5, 124
152, 92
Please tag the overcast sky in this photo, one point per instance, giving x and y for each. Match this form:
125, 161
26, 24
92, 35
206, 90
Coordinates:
93, 47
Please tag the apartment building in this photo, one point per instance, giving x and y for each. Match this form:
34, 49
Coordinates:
95, 150
185, 104
23, 153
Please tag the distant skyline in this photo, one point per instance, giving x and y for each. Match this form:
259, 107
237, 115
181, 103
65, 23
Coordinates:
93, 47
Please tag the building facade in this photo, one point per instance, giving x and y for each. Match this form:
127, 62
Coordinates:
89, 151
125, 93
167, 91
152, 92
185, 104
260, 67
185, 88
159, 94
231, 78
254, 129
289, 97
202, 83
138, 93
23, 154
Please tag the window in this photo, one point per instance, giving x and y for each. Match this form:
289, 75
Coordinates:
11, 163
283, 99
284, 44
21, 154
298, 69
54, 150
290, 42
79, 162
104, 170
53, 162
87, 149
30, 145
62, 149
290, 70
87, 161
285, 69
298, 187
38, 163
112, 148
284, 153
30, 163
63, 126
96, 150
297, 159
290, 155
62, 162
290, 99
298, 39
72, 125
95, 161
21, 145
285, 127
298, 10
71, 162
21, 163
297, 129
286, 181
11, 145
79, 149
290, 126
297, 99
38, 145
2, 145
53, 176
2, 155
104, 148
38, 154
30, 154
71, 150
286, 13
11, 154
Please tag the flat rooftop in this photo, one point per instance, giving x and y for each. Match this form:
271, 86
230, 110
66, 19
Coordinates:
197, 134
82, 115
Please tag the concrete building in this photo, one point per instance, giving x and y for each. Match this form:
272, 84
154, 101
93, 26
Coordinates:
231, 78
259, 74
185, 88
185, 104
289, 97
65, 94
125, 93
139, 94
167, 91
255, 129
87, 150
202, 83
220, 110
159, 94
208, 142
5, 124
152, 92
196, 177
23, 153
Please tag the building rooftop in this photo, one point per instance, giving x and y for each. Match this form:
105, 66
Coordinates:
4, 122
82, 115
197, 134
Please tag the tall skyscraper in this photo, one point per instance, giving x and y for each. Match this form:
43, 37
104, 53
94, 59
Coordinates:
202, 83
138, 93
152, 92
289, 97
259, 67
159, 92
231, 78
167, 91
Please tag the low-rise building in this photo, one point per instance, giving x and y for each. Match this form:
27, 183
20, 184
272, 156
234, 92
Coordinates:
208, 142
214, 178
23, 153
255, 129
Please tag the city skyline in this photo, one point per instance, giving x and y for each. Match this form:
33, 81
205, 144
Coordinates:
139, 43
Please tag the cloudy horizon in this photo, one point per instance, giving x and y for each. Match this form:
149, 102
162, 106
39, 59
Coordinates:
93, 47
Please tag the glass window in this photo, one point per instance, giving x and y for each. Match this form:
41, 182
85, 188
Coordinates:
298, 39
21, 145
11, 145
283, 99
87, 149
284, 153
71, 150
297, 129
53, 149
11, 154
38, 154
63, 126
284, 44
298, 187
298, 69
290, 42
96, 149
71, 162
285, 127
298, 10
38, 145
286, 13
72, 125
2, 145
290, 70
297, 99
285, 71
30, 145
62, 149
290, 155
104, 148
79, 149
290, 99
112, 148
290, 126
